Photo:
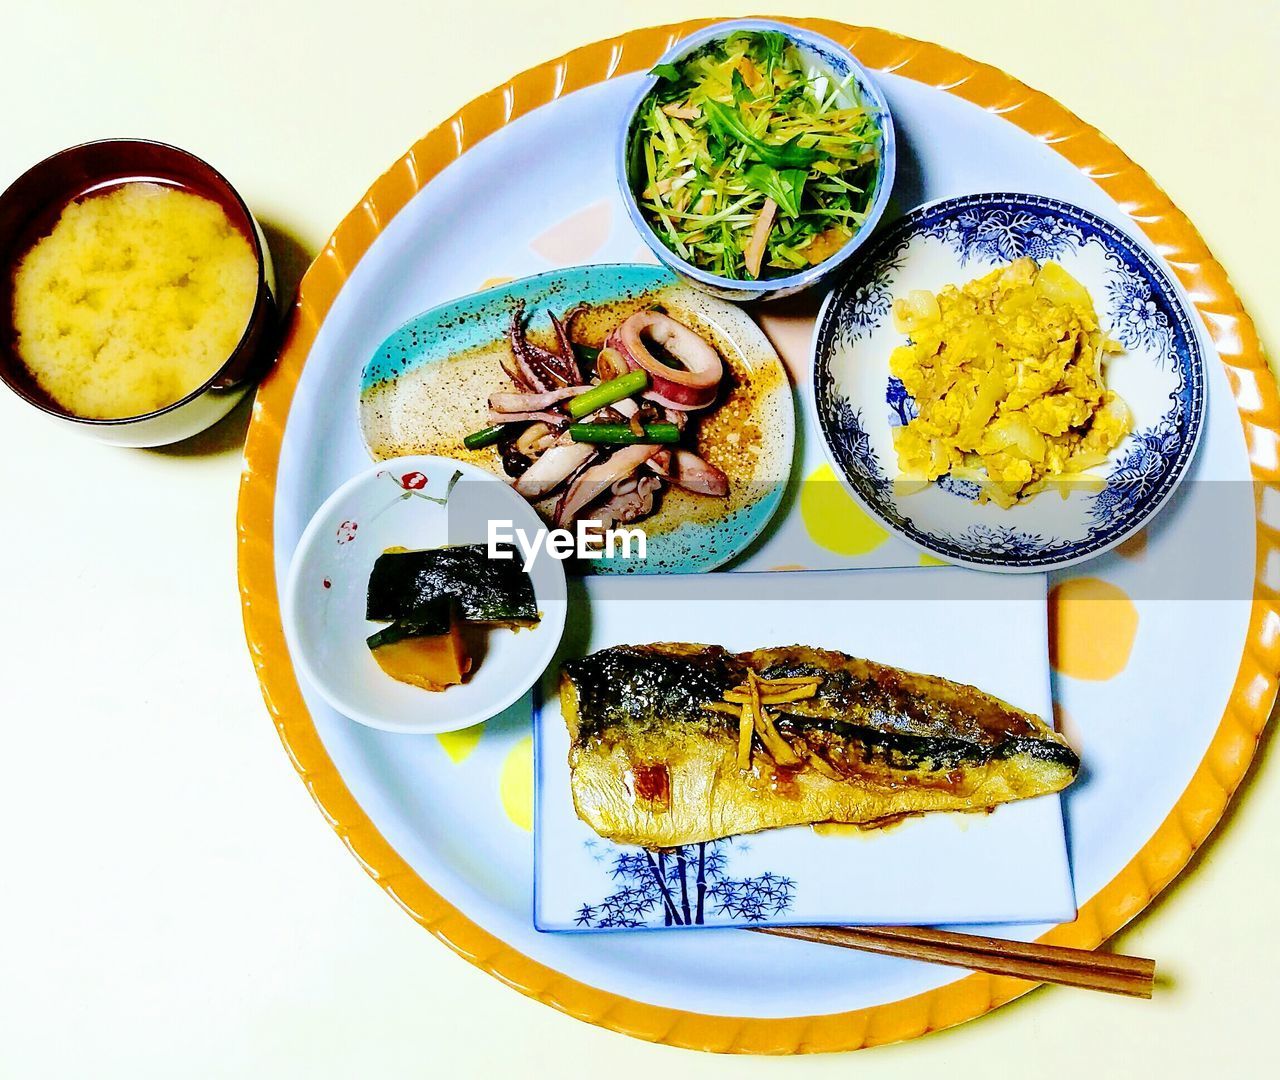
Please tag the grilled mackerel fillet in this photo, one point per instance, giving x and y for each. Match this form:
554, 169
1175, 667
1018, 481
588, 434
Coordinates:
650, 765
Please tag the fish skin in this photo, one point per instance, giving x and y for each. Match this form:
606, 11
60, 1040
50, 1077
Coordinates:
904, 743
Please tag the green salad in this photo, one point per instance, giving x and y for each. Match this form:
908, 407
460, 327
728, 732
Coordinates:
749, 163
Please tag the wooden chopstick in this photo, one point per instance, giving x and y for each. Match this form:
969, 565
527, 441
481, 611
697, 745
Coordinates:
1130, 975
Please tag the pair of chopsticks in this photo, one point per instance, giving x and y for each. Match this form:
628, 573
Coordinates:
1130, 975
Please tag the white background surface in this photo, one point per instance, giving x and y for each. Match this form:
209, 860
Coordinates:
171, 902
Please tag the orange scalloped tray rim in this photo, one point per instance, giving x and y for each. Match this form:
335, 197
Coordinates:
1189, 822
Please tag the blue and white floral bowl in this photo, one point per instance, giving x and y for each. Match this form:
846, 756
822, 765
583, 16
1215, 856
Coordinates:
1160, 375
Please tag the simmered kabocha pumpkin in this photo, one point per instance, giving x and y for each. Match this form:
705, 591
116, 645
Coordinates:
425, 649
427, 596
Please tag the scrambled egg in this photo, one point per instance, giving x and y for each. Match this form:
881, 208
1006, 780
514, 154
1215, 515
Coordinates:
1007, 374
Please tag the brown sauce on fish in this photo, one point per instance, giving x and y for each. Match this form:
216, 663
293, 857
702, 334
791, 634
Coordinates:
651, 783
783, 780
889, 743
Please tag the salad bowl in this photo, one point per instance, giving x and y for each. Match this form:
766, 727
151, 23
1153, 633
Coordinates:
824, 55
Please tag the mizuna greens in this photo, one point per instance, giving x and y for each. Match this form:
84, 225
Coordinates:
749, 163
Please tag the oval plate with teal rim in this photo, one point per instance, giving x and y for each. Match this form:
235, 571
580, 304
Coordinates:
428, 384
1160, 375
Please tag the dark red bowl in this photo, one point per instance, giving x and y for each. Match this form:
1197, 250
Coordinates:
28, 211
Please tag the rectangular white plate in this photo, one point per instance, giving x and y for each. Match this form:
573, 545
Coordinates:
988, 630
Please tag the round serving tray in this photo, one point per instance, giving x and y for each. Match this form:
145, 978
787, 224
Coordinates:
476, 901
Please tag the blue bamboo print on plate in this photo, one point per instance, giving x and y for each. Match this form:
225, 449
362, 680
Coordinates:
681, 887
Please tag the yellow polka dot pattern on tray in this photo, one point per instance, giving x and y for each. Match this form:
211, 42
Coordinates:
1064, 723
459, 744
789, 329
515, 784
577, 238
833, 520
1135, 546
1092, 627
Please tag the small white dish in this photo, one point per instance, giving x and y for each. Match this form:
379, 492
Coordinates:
411, 502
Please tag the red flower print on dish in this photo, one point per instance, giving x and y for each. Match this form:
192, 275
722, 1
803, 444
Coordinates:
347, 532
413, 481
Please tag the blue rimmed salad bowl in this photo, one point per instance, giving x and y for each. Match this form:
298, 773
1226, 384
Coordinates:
730, 144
